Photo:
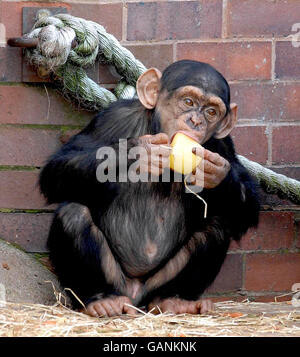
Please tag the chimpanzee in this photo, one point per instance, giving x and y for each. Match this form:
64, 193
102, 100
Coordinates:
120, 245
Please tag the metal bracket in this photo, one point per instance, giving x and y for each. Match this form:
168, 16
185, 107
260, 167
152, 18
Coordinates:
32, 14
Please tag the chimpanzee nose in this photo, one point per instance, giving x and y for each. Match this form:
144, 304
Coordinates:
195, 121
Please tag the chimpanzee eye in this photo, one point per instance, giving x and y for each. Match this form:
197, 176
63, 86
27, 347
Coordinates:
189, 102
211, 112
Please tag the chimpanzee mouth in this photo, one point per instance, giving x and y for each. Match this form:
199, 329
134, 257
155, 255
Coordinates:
187, 133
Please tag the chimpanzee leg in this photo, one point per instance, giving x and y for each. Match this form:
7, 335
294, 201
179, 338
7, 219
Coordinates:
83, 261
182, 294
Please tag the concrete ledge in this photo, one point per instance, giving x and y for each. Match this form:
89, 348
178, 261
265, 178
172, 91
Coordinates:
23, 278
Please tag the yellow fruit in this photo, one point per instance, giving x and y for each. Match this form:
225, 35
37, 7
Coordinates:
182, 159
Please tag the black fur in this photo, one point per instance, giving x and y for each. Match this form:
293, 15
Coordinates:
127, 214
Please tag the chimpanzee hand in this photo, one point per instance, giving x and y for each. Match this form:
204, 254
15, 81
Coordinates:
211, 171
154, 153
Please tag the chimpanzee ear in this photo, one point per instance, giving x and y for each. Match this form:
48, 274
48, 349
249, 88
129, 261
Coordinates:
147, 87
228, 123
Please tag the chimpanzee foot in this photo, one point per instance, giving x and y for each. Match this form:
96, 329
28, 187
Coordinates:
180, 306
110, 306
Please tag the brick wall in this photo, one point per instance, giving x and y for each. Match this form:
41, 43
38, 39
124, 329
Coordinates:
249, 41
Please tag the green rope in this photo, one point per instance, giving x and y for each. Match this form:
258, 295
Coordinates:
272, 182
57, 55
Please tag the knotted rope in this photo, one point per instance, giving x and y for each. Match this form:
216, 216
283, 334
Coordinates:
67, 44
55, 54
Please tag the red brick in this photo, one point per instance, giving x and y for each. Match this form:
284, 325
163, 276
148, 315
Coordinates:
262, 17
251, 141
272, 272
18, 189
159, 56
28, 230
11, 17
270, 298
286, 145
10, 64
27, 147
12, 14
230, 275
32, 106
275, 230
220, 298
287, 61
235, 60
108, 15
249, 296
266, 101
174, 20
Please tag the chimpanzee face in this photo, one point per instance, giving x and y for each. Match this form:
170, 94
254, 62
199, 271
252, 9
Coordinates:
191, 110
189, 96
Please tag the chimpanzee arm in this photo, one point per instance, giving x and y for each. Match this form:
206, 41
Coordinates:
235, 199
70, 174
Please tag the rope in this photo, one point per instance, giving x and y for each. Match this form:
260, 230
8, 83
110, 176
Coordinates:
272, 182
67, 44
56, 55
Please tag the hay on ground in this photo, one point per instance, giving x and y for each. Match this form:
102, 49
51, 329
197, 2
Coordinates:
229, 319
